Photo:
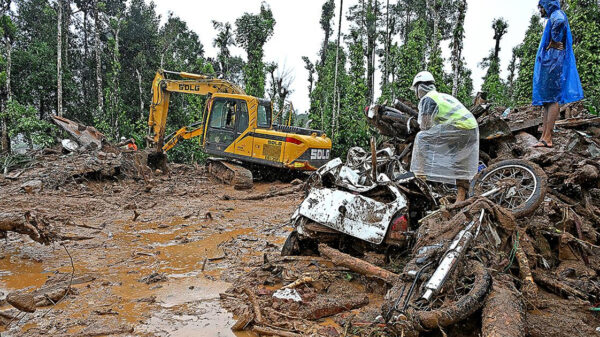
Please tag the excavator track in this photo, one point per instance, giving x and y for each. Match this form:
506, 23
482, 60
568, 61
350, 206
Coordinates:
231, 174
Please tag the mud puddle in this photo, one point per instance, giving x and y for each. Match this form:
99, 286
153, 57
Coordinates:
159, 274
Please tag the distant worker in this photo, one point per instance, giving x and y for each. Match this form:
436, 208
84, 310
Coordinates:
128, 144
555, 77
446, 149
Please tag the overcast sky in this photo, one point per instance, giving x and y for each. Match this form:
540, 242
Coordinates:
298, 32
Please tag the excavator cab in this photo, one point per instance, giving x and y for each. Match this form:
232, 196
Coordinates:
228, 119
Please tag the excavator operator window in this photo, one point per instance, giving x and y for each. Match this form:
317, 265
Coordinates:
264, 116
223, 115
242, 117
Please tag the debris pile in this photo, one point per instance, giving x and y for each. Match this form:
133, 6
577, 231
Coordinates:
85, 157
532, 273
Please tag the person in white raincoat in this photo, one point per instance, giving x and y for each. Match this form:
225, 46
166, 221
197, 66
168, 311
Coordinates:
446, 149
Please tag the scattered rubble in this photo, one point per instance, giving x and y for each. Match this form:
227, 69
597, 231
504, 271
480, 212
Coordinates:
537, 275
520, 273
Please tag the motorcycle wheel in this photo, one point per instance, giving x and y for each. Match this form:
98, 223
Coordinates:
522, 185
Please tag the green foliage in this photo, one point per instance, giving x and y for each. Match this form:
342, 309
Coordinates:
436, 68
465, 87
227, 65
410, 60
353, 129
492, 83
526, 53
327, 14
252, 32
24, 120
584, 18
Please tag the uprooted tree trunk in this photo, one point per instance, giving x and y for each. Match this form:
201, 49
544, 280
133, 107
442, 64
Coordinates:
503, 312
37, 228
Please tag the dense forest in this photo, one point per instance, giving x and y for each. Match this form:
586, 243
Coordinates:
93, 61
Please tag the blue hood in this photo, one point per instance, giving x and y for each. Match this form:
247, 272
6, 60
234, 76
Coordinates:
550, 6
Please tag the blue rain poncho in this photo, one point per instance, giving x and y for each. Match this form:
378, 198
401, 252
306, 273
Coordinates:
555, 77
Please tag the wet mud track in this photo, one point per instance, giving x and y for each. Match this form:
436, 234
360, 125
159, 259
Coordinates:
160, 274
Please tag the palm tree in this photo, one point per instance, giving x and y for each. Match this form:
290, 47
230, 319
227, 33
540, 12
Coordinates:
223, 40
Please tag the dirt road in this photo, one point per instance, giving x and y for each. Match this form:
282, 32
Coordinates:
156, 258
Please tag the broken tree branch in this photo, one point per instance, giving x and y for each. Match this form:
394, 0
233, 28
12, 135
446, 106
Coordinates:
299, 282
529, 286
254, 301
29, 224
557, 286
356, 265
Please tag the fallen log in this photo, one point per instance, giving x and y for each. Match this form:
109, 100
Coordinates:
37, 228
51, 294
357, 265
503, 313
93, 331
243, 321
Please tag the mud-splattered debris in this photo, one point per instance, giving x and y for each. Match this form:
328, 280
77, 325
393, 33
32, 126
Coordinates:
23, 302
32, 186
154, 278
149, 299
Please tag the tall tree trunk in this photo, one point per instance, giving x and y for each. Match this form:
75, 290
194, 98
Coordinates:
85, 80
59, 38
337, 56
386, 42
371, 22
114, 95
457, 46
98, 59
5, 138
67, 25
435, 15
139, 76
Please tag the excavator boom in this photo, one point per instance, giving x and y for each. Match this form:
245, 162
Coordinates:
161, 94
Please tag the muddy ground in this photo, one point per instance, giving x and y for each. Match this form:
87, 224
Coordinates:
152, 255
160, 274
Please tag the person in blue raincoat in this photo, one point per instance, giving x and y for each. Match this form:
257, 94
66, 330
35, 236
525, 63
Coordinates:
555, 77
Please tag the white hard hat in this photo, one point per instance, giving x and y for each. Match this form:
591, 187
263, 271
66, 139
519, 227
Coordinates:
423, 76
123, 139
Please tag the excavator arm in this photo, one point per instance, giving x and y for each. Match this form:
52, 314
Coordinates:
189, 84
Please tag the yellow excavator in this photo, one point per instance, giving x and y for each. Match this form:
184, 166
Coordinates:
236, 128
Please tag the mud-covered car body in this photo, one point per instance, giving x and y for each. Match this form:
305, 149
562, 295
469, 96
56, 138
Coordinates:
348, 208
345, 203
